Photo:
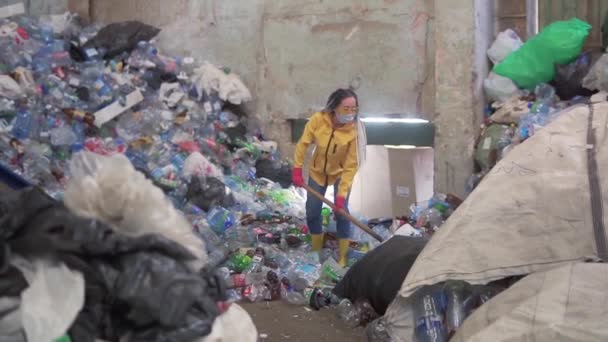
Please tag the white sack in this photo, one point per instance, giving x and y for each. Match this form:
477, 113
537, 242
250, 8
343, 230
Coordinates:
562, 304
535, 202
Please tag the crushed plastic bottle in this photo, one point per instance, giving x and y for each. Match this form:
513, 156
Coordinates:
349, 313
376, 331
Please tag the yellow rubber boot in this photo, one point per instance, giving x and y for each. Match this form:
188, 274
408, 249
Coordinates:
343, 245
317, 242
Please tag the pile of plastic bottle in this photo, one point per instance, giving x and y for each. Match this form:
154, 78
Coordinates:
180, 136
543, 107
439, 310
428, 216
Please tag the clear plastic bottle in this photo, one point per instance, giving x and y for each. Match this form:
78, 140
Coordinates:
234, 295
458, 294
63, 136
22, 125
544, 93
295, 298
242, 280
256, 262
376, 331
178, 161
349, 313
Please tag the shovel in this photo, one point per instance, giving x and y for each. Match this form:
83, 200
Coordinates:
348, 216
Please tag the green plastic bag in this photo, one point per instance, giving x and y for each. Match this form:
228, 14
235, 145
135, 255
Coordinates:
559, 43
64, 338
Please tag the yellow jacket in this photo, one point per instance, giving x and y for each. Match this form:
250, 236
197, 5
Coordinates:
335, 156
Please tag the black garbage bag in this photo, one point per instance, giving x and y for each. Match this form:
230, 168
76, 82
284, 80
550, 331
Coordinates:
235, 134
156, 77
208, 192
117, 38
12, 282
379, 275
136, 286
276, 172
568, 78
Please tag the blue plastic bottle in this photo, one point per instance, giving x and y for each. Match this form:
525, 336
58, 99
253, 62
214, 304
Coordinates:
22, 126
429, 305
220, 219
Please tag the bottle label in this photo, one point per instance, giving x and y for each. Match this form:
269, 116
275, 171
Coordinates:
487, 143
257, 259
239, 280
207, 107
92, 52
74, 82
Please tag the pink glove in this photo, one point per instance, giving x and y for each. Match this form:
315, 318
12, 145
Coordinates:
340, 202
297, 179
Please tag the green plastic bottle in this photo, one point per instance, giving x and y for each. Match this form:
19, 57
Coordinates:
326, 216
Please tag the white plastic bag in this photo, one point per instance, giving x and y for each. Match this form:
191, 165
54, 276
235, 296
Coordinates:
111, 190
230, 88
235, 325
597, 77
506, 42
52, 301
408, 230
197, 165
10, 319
170, 94
26, 81
500, 88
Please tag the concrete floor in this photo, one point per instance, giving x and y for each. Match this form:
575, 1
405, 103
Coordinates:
279, 321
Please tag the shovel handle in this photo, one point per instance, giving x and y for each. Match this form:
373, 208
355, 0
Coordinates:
348, 216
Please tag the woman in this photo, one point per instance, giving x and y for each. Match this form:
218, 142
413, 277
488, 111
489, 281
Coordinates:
340, 148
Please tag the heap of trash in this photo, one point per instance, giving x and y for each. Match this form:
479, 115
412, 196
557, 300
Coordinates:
531, 85
152, 156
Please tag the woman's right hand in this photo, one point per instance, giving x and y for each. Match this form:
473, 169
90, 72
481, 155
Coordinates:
297, 178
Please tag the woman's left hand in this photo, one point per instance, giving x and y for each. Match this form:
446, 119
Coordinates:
340, 202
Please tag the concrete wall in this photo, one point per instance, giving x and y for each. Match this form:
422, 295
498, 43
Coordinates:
293, 53
464, 30
41, 7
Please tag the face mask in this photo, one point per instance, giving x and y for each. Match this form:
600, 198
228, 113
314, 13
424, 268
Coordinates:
345, 119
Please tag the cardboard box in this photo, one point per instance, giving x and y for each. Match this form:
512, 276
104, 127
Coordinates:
392, 179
